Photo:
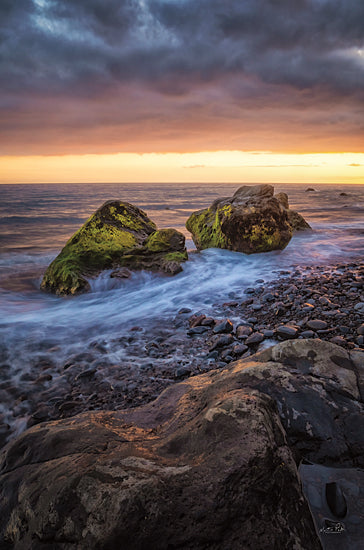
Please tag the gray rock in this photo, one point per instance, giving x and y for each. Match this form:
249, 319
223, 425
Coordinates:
193, 469
254, 338
307, 334
338, 340
224, 326
243, 331
222, 341
239, 349
197, 330
316, 324
287, 331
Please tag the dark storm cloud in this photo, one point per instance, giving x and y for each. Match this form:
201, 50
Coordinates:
202, 67
57, 44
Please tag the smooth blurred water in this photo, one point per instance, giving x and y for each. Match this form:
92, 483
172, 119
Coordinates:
36, 220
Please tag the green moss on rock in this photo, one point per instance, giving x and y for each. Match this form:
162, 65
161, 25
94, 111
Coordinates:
165, 240
205, 227
118, 234
251, 221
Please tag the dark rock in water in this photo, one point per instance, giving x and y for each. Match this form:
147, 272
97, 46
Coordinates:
222, 341
122, 273
197, 330
251, 221
254, 338
243, 331
117, 235
196, 320
239, 349
224, 326
296, 221
206, 465
287, 331
309, 189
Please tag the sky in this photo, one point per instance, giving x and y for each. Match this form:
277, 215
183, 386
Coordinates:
182, 90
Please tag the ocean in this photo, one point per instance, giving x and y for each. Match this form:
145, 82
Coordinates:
37, 220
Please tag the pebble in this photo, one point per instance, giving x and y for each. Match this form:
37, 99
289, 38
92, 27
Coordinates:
338, 340
360, 330
307, 334
316, 324
252, 320
359, 307
197, 330
308, 307
208, 322
287, 331
243, 331
222, 341
196, 320
224, 326
254, 338
239, 349
181, 372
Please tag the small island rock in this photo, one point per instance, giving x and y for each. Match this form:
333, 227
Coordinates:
117, 235
251, 221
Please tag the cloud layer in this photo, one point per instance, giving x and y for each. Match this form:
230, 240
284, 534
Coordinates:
168, 75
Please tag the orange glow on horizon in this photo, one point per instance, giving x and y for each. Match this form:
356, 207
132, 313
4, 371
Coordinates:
207, 166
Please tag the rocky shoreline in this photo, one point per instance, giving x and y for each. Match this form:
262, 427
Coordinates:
325, 303
304, 395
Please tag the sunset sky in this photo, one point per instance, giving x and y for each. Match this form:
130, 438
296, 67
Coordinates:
182, 90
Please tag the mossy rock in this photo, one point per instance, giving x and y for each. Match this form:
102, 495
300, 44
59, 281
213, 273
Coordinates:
296, 220
251, 221
117, 234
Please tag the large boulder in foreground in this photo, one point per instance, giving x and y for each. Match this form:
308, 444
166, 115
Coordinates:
252, 220
206, 465
209, 464
117, 235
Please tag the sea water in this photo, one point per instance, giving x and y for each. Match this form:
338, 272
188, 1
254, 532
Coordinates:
37, 220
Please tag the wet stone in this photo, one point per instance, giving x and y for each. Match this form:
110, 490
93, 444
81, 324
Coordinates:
308, 307
182, 372
243, 332
268, 297
239, 349
196, 320
252, 320
316, 324
222, 341
208, 322
360, 330
254, 338
287, 331
307, 334
224, 326
338, 340
197, 330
